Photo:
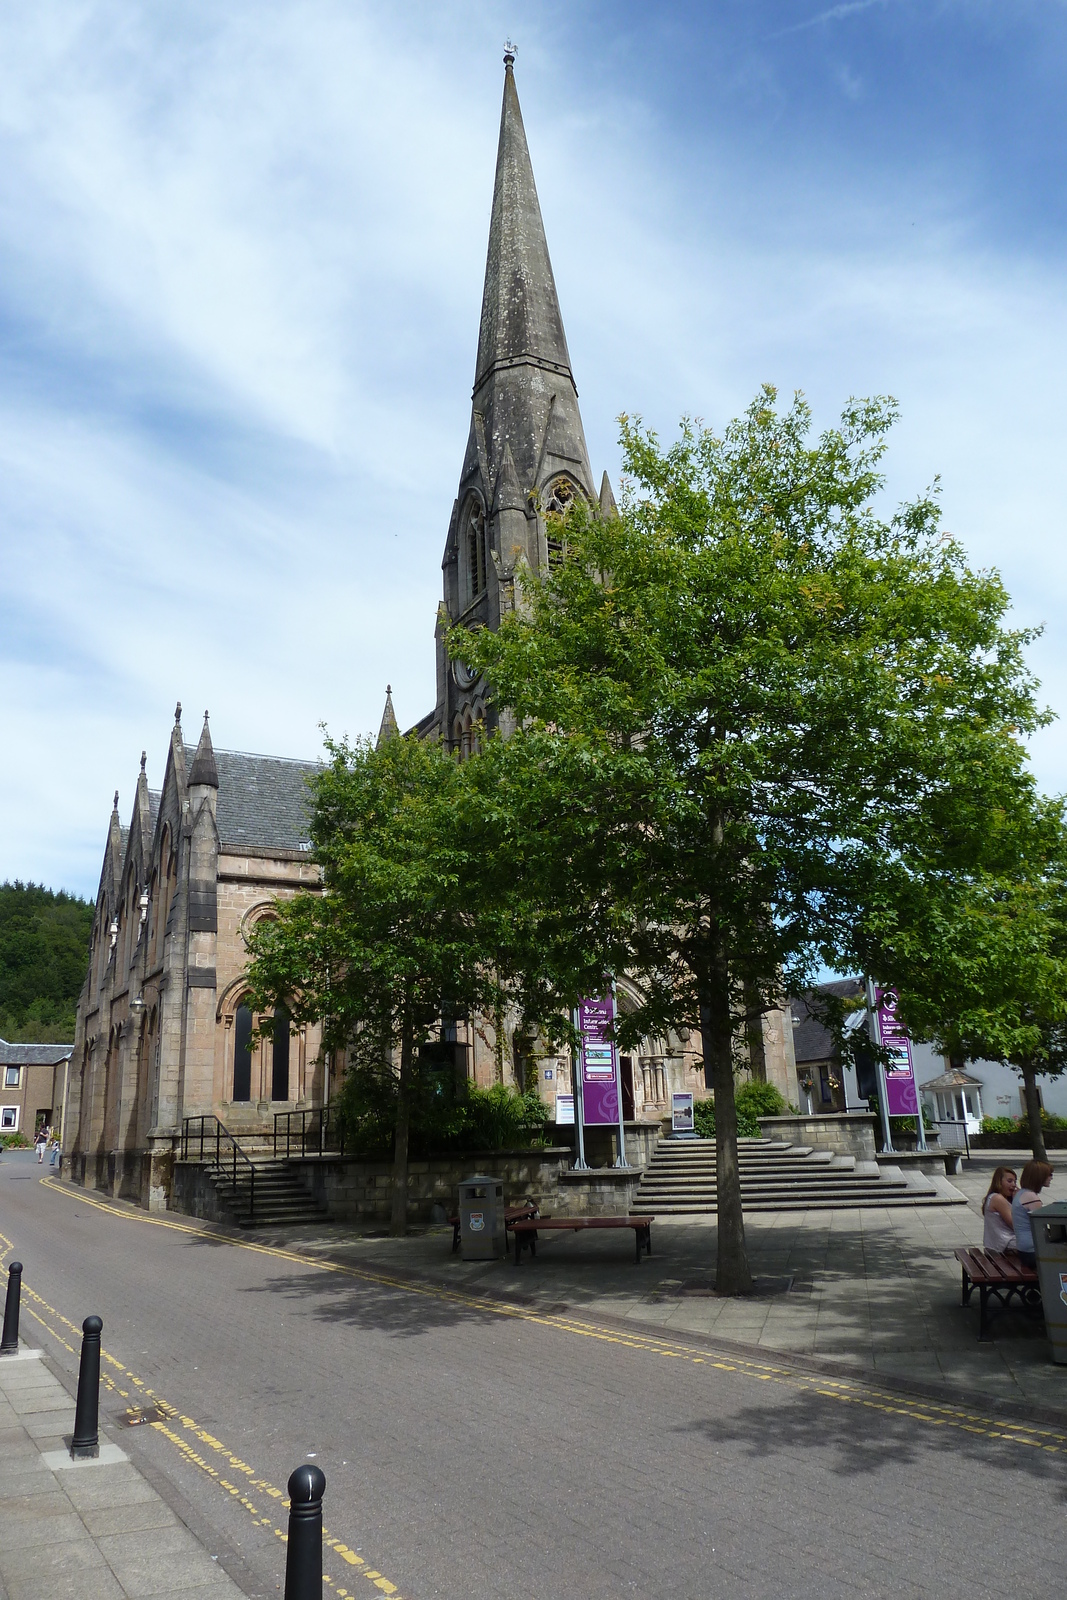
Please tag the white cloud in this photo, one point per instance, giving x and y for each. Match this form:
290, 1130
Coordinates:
245, 257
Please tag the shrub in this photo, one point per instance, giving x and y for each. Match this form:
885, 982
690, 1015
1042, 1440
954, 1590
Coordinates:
762, 1099
704, 1120
500, 1118
999, 1125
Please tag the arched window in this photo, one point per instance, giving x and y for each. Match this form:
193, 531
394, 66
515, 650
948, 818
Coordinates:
476, 551
279, 1085
558, 502
242, 1054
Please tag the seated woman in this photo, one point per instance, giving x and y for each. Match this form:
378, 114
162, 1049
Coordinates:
1036, 1175
999, 1232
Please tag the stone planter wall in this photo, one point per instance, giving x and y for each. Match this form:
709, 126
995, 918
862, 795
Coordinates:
361, 1191
849, 1133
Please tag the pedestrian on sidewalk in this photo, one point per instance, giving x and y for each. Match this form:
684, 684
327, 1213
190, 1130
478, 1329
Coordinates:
1036, 1175
56, 1156
999, 1231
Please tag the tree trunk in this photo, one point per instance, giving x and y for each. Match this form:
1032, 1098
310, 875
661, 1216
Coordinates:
1033, 1111
399, 1222
732, 1273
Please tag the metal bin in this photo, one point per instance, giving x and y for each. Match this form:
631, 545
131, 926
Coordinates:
482, 1233
1050, 1247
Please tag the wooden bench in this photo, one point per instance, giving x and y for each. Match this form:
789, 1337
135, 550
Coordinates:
1001, 1276
527, 1231
512, 1214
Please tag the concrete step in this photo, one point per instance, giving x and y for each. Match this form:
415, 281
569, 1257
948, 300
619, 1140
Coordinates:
776, 1176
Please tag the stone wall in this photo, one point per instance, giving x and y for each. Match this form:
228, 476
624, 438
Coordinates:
361, 1191
849, 1133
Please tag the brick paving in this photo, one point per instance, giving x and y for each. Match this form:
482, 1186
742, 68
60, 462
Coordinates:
876, 1289
477, 1442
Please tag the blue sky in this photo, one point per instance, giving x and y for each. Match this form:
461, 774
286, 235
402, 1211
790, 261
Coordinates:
243, 249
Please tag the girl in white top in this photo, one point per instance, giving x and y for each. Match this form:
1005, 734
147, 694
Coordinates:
999, 1233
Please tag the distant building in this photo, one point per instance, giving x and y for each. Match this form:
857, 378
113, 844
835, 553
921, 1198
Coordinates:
33, 1082
817, 1058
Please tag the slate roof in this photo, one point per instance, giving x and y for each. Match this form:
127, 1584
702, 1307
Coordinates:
33, 1055
953, 1079
812, 1040
264, 801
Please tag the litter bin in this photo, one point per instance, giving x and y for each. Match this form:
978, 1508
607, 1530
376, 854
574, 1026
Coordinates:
482, 1235
1050, 1247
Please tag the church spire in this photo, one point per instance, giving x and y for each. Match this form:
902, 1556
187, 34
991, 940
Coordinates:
521, 320
389, 727
204, 772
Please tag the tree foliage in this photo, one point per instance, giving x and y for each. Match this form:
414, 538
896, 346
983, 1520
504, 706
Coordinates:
44, 953
399, 942
984, 965
751, 714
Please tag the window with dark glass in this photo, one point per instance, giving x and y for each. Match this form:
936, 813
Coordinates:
476, 554
242, 1054
11, 1077
279, 1081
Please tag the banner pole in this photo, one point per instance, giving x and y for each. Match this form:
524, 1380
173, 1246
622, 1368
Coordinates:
620, 1160
883, 1091
581, 1165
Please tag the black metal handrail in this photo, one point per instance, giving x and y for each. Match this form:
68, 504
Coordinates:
311, 1132
207, 1131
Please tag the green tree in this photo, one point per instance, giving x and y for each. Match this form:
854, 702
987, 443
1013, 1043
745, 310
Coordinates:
744, 709
397, 938
44, 953
984, 968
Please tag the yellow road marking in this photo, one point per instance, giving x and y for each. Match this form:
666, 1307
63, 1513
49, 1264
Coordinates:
238, 1493
928, 1413
934, 1414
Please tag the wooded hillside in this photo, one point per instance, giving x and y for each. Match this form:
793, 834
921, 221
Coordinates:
44, 951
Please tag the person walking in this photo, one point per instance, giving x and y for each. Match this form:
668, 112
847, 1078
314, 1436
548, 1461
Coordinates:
56, 1156
40, 1139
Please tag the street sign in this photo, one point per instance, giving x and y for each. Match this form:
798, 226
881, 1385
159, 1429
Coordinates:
565, 1108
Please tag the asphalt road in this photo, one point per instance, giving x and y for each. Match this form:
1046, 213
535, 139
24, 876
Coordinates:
505, 1453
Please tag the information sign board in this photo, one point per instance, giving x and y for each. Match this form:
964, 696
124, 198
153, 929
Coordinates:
901, 1093
598, 1062
682, 1112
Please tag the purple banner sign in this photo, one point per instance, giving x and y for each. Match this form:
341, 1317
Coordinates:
900, 1071
599, 1063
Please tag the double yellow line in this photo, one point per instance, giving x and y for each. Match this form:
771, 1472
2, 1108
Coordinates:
239, 1480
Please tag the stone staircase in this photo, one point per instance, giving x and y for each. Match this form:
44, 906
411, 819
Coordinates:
280, 1198
781, 1177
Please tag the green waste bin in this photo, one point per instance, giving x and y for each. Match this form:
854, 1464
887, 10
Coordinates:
1050, 1247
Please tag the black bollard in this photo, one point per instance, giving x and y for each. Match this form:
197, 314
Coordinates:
10, 1343
303, 1557
86, 1441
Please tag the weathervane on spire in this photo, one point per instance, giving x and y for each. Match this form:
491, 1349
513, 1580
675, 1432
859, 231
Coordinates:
509, 53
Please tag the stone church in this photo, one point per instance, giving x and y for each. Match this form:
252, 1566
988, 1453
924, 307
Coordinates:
164, 1030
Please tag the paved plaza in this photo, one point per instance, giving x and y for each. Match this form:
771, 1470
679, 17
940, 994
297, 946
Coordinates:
878, 1289
579, 1426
